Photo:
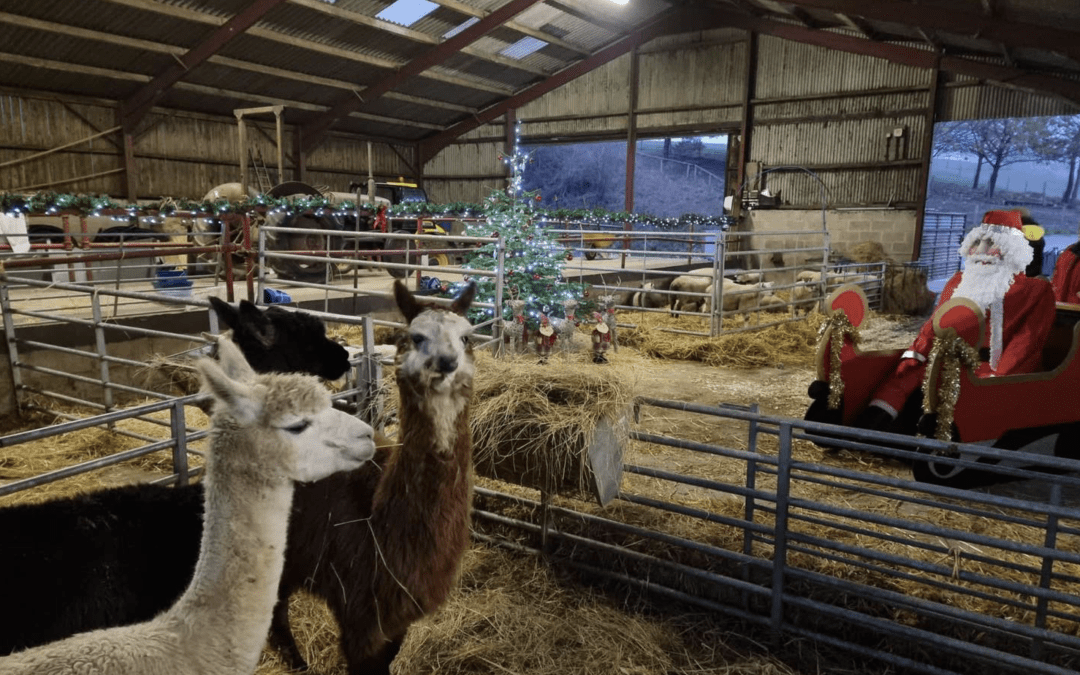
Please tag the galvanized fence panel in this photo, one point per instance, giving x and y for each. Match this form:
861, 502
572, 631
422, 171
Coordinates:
914, 576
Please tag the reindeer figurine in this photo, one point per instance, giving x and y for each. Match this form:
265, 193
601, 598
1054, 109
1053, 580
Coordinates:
608, 303
517, 333
565, 328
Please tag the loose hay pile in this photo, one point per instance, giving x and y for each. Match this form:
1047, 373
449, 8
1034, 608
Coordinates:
533, 423
511, 614
788, 343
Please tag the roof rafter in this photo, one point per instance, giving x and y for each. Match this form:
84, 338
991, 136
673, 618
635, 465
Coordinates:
930, 16
410, 34
610, 26
672, 21
462, 8
138, 104
157, 47
275, 36
313, 132
1068, 90
120, 75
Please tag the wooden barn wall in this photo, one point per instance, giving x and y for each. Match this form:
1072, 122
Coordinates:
823, 126
821, 118
180, 155
965, 98
470, 169
29, 125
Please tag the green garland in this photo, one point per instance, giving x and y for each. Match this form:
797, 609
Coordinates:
53, 202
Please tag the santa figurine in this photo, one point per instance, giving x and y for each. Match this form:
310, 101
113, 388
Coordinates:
1019, 314
601, 339
545, 338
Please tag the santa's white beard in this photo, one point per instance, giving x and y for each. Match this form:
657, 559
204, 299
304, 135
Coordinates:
984, 284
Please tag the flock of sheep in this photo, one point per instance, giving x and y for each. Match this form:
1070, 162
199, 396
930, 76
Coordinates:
747, 292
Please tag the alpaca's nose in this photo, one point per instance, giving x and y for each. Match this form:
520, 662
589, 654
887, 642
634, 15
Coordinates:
446, 364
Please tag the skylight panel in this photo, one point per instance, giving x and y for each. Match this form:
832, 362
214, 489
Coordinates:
454, 31
523, 47
406, 12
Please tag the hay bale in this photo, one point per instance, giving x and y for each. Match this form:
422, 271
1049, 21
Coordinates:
868, 252
544, 426
905, 291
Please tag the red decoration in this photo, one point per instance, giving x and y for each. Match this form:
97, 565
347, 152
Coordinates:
537, 197
569, 256
536, 277
586, 293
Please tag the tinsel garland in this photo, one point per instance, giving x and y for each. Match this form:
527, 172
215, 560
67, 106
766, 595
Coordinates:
52, 202
841, 325
954, 351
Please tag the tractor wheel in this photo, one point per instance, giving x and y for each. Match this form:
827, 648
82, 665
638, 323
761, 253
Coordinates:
299, 269
399, 258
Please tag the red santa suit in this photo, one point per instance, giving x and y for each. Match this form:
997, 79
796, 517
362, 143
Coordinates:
1016, 337
1066, 279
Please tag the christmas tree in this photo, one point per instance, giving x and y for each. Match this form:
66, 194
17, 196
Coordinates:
534, 258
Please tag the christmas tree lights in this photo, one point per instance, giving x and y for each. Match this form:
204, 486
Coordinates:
534, 259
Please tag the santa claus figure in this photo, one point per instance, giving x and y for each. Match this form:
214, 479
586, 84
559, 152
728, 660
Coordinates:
1019, 314
545, 338
601, 339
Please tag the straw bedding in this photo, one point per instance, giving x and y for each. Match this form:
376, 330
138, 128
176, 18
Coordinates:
512, 613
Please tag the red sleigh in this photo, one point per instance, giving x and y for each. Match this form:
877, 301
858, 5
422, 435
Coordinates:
1034, 412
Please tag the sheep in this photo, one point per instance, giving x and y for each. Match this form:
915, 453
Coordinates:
122, 555
379, 557
267, 432
736, 297
648, 298
682, 287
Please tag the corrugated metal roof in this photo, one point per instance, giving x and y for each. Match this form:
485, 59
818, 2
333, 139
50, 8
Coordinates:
310, 55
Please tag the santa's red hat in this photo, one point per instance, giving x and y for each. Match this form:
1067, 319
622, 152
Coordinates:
1009, 221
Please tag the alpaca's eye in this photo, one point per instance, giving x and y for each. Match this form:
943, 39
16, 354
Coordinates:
465, 340
417, 338
299, 427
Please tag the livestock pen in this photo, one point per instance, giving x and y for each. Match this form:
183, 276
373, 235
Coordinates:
775, 538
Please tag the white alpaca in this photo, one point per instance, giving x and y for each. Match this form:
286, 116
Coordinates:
268, 431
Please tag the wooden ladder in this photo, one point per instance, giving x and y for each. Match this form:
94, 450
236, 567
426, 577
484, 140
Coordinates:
262, 176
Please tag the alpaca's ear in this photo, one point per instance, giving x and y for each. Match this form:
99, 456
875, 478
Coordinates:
226, 312
406, 301
464, 299
232, 361
255, 322
234, 395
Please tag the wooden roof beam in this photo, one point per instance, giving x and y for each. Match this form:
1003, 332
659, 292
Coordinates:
138, 104
159, 48
366, 60
931, 16
410, 34
860, 25
672, 21
1067, 90
313, 132
470, 11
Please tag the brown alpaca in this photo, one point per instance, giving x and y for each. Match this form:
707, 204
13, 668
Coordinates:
383, 544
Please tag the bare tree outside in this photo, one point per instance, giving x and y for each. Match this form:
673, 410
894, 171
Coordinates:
673, 176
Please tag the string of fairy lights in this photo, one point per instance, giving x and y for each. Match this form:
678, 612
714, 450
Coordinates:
53, 203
